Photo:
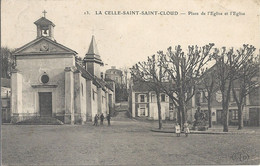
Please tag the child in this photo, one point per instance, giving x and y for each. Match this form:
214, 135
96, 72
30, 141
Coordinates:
186, 129
177, 129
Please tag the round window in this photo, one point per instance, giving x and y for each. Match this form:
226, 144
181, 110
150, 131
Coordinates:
45, 79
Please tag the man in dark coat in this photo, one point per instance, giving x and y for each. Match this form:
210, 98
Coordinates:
108, 119
101, 119
96, 120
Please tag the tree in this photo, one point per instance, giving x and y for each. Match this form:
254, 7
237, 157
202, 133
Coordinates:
7, 62
245, 73
183, 70
227, 64
125, 71
208, 83
151, 73
121, 92
224, 73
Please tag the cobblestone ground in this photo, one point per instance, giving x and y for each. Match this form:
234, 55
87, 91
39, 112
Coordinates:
124, 143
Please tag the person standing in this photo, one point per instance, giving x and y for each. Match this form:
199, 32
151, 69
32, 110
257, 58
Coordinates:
178, 129
96, 120
108, 119
186, 129
101, 119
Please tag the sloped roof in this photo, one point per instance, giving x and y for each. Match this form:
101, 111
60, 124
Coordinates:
208, 71
19, 50
116, 70
93, 47
109, 80
43, 21
105, 83
110, 85
93, 55
139, 86
84, 72
97, 81
142, 86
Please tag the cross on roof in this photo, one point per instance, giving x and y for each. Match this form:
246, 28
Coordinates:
44, 13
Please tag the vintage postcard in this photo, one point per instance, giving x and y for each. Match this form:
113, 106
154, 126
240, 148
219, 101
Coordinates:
130, 82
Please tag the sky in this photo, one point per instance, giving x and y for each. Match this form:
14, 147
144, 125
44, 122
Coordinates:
123, 40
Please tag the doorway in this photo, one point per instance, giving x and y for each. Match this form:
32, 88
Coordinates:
219, 116
45, 103
254, 117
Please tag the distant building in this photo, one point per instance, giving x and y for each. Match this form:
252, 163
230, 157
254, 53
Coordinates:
48, 82
5, 99
251, 111
143, 102
114, 74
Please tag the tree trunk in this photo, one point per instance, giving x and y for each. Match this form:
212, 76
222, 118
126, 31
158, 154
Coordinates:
240, 117
183, 118
225, 117
159, 110
209, 111
183, 115
179, 115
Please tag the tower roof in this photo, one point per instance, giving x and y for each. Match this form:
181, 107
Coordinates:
92, 50
44, 22
93, 55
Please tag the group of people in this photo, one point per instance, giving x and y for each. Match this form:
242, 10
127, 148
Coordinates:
178, 129
101, 117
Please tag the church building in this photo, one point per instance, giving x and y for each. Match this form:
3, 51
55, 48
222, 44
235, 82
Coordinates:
48, 82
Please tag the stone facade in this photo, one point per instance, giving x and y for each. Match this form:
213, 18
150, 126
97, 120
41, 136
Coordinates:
47, 81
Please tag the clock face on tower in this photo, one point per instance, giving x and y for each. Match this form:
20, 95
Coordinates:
44, 47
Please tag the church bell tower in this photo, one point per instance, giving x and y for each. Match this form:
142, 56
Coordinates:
44, 27
93, 60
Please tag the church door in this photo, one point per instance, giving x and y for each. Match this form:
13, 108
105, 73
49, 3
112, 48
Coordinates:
45, 102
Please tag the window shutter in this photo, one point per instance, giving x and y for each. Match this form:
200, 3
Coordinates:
206, 94
146, 111
201, 97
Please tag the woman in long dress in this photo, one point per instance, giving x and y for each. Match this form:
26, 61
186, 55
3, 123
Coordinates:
186, 129
178, 129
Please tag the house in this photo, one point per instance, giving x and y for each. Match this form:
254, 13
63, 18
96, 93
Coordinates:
5, 99
143, 102
251, 110
47, 81
114, 74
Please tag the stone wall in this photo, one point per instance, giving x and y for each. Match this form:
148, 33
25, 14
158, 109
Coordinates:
31, 68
